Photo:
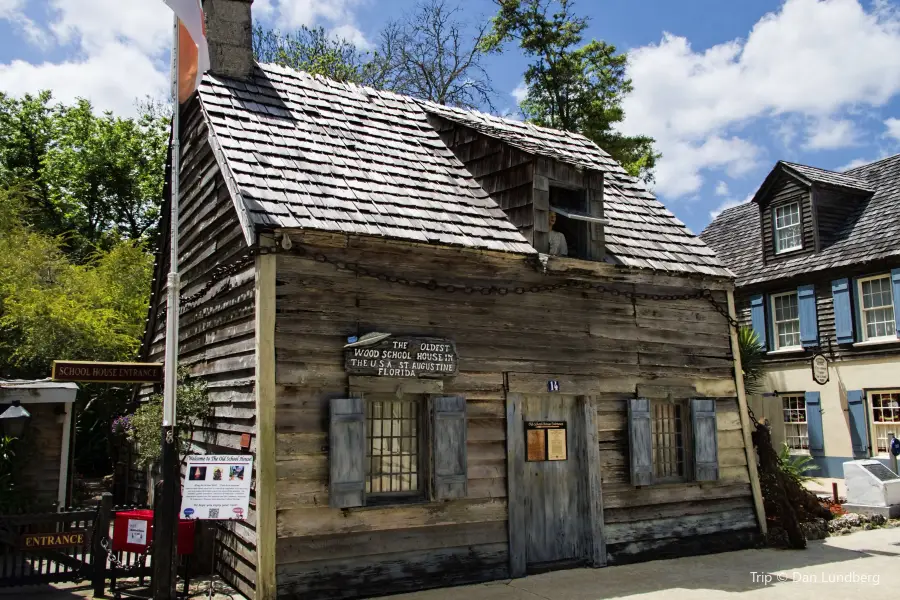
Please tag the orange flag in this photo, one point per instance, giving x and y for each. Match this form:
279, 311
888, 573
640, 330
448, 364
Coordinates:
193, 52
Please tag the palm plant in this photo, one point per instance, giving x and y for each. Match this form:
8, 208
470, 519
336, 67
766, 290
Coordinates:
796, 466
752, 354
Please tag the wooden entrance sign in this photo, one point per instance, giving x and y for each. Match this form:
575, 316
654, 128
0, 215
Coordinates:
106, 372
55, 540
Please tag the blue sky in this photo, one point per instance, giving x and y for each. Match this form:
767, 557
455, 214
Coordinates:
726, 88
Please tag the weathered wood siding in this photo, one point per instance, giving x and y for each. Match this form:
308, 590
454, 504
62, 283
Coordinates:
216, 337
836, 212
40, 472
605, 346
824, 312
785, 190
504, 172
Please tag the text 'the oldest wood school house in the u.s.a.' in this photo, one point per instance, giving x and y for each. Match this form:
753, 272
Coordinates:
432, 396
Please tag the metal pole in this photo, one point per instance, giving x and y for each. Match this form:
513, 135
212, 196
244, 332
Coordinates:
166, 508
891, 454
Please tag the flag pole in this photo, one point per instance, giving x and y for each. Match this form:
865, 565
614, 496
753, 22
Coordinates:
165, 554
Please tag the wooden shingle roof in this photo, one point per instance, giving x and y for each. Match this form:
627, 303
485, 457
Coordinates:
307, 152
871, 231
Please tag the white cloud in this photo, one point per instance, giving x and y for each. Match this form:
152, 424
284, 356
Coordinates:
829, 134
14, 12
725, 205
351, 34
893, 128
335, 15
856, 162
520, 92
812, 58
112, 78
721, 189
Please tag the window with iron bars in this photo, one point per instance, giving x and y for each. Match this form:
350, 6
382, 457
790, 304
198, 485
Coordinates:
394, 443
667, 433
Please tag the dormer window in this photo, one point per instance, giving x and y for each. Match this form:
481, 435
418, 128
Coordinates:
788, 232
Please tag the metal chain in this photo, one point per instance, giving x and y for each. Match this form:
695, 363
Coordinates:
115, 562
225, 271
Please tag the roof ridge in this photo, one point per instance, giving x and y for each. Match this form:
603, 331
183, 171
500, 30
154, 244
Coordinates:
874, 162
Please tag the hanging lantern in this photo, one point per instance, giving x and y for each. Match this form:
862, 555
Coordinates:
14, 420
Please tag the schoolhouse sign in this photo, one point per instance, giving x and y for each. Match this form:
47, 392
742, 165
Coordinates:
390, 356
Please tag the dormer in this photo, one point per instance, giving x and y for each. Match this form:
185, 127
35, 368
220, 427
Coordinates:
804, 209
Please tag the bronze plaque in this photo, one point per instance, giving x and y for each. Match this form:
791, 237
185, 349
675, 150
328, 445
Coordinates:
536, 444
107, 372
403, 357
55, 540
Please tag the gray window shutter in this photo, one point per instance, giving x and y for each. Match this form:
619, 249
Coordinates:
347, 453
706, 443
639, 442
450, 457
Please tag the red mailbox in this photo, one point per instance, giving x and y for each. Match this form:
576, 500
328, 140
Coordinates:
121, 543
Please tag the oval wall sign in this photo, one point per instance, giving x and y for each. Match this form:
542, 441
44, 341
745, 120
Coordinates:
820, 369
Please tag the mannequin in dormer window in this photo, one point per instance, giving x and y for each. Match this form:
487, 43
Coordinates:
558, 246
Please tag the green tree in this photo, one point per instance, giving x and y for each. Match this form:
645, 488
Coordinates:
314, 51
572, 85
53, 308
94, 179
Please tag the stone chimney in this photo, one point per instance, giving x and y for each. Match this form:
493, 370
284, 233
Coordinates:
229, 32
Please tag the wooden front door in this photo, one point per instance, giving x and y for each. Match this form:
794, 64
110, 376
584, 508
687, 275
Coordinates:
554, 497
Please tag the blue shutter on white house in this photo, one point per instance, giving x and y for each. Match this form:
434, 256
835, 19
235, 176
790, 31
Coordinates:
895, 281
857, 408
814, 422
843, 311
758, 318
809, 325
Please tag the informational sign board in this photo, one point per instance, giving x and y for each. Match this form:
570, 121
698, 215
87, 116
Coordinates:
217, 487
402, 357
54, 540
545, 440
106, 372
819, 369
137, 532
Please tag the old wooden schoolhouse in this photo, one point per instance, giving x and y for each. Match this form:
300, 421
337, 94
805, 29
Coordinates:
432, 396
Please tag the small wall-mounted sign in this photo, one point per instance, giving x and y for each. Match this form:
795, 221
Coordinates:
819, 369
545, 440
390, 356
553, 385
54, 540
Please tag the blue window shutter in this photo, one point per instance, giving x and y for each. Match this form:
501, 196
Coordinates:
858, 425
895, 280
758, 318
843, 313
814, 422
857, 311
809, 325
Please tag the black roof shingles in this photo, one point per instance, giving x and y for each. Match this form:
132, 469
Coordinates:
308, 152
872, 231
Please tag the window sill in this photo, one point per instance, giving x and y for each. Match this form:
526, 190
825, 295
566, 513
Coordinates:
880, 342
797, 350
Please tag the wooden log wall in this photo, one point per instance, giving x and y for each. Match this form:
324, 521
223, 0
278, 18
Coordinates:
610, 348
217, 333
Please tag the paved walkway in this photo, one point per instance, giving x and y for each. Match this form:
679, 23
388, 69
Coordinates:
862, 565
